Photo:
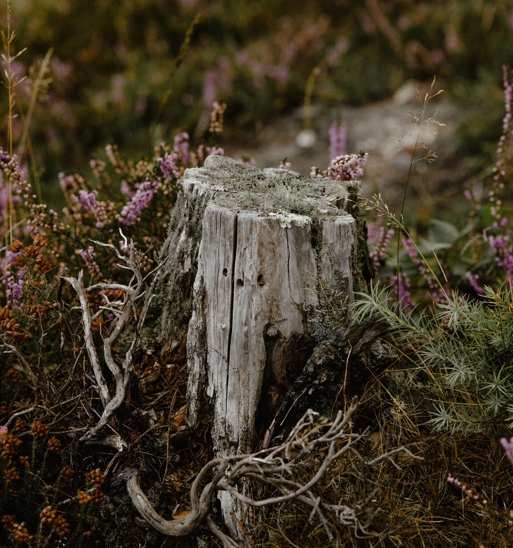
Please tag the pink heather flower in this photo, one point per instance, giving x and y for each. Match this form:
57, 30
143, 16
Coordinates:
9, 259
503, 254
336, 52
88, 256
181, 147
498, 243
401, 286
381, 238
505, 142
374, 231
87, 200
468, 195
140, 200
125, 189
338, 140
4, 194
507, 445
411, 250
67, 183
203, 152
348, 167
14, 284
475, 284
169, 166
436, 293
89, 203
3, 430
4, 200
215, 151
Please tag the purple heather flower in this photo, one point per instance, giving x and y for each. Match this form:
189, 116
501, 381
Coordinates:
411, 250
125, 189
336, 52
338, 140
374, 231
181, 147
436, 292
140, 200
169, 166
279, 73
381, 238
67, 183
401, 286
89, 203
14, 283
348, 167
10, 258
4, 200
498, 243
215, 151
507, 445
475, 284
503, 254
87, 200
88, 255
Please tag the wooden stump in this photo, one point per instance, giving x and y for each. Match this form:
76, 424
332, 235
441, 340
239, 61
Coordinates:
258, 262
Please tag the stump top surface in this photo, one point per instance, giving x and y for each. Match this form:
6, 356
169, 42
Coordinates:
275, 191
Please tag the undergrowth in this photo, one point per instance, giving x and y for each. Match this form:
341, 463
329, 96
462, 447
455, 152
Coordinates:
439, 380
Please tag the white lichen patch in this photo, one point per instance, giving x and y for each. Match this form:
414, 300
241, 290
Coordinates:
237, 185
288, 219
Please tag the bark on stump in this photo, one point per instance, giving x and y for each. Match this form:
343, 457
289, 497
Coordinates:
257, 262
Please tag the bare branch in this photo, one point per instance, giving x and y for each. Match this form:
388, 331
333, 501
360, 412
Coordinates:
124, 312
78, 286
312, 440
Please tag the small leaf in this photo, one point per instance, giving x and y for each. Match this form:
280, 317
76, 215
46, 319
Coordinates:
443, 232
429, 246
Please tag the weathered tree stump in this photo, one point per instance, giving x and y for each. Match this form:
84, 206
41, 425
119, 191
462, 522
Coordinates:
257, 263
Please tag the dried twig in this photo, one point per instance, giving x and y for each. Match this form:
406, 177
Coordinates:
312, 440
124, 311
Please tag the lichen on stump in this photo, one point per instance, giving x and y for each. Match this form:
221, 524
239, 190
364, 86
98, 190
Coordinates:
258, 262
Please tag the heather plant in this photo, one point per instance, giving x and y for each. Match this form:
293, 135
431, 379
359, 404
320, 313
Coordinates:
122, 205
147, 68
449, 298
71, 276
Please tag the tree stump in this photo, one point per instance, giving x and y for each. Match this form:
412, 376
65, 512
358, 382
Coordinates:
257, 263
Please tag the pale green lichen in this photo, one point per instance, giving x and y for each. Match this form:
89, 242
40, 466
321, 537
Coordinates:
278, 191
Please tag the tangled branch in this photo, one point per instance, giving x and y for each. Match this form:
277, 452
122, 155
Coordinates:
123, 310
311, 440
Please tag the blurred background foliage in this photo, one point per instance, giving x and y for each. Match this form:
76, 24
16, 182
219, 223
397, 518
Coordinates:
136, 71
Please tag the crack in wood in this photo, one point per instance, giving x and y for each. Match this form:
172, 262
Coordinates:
232, 297
264, 246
